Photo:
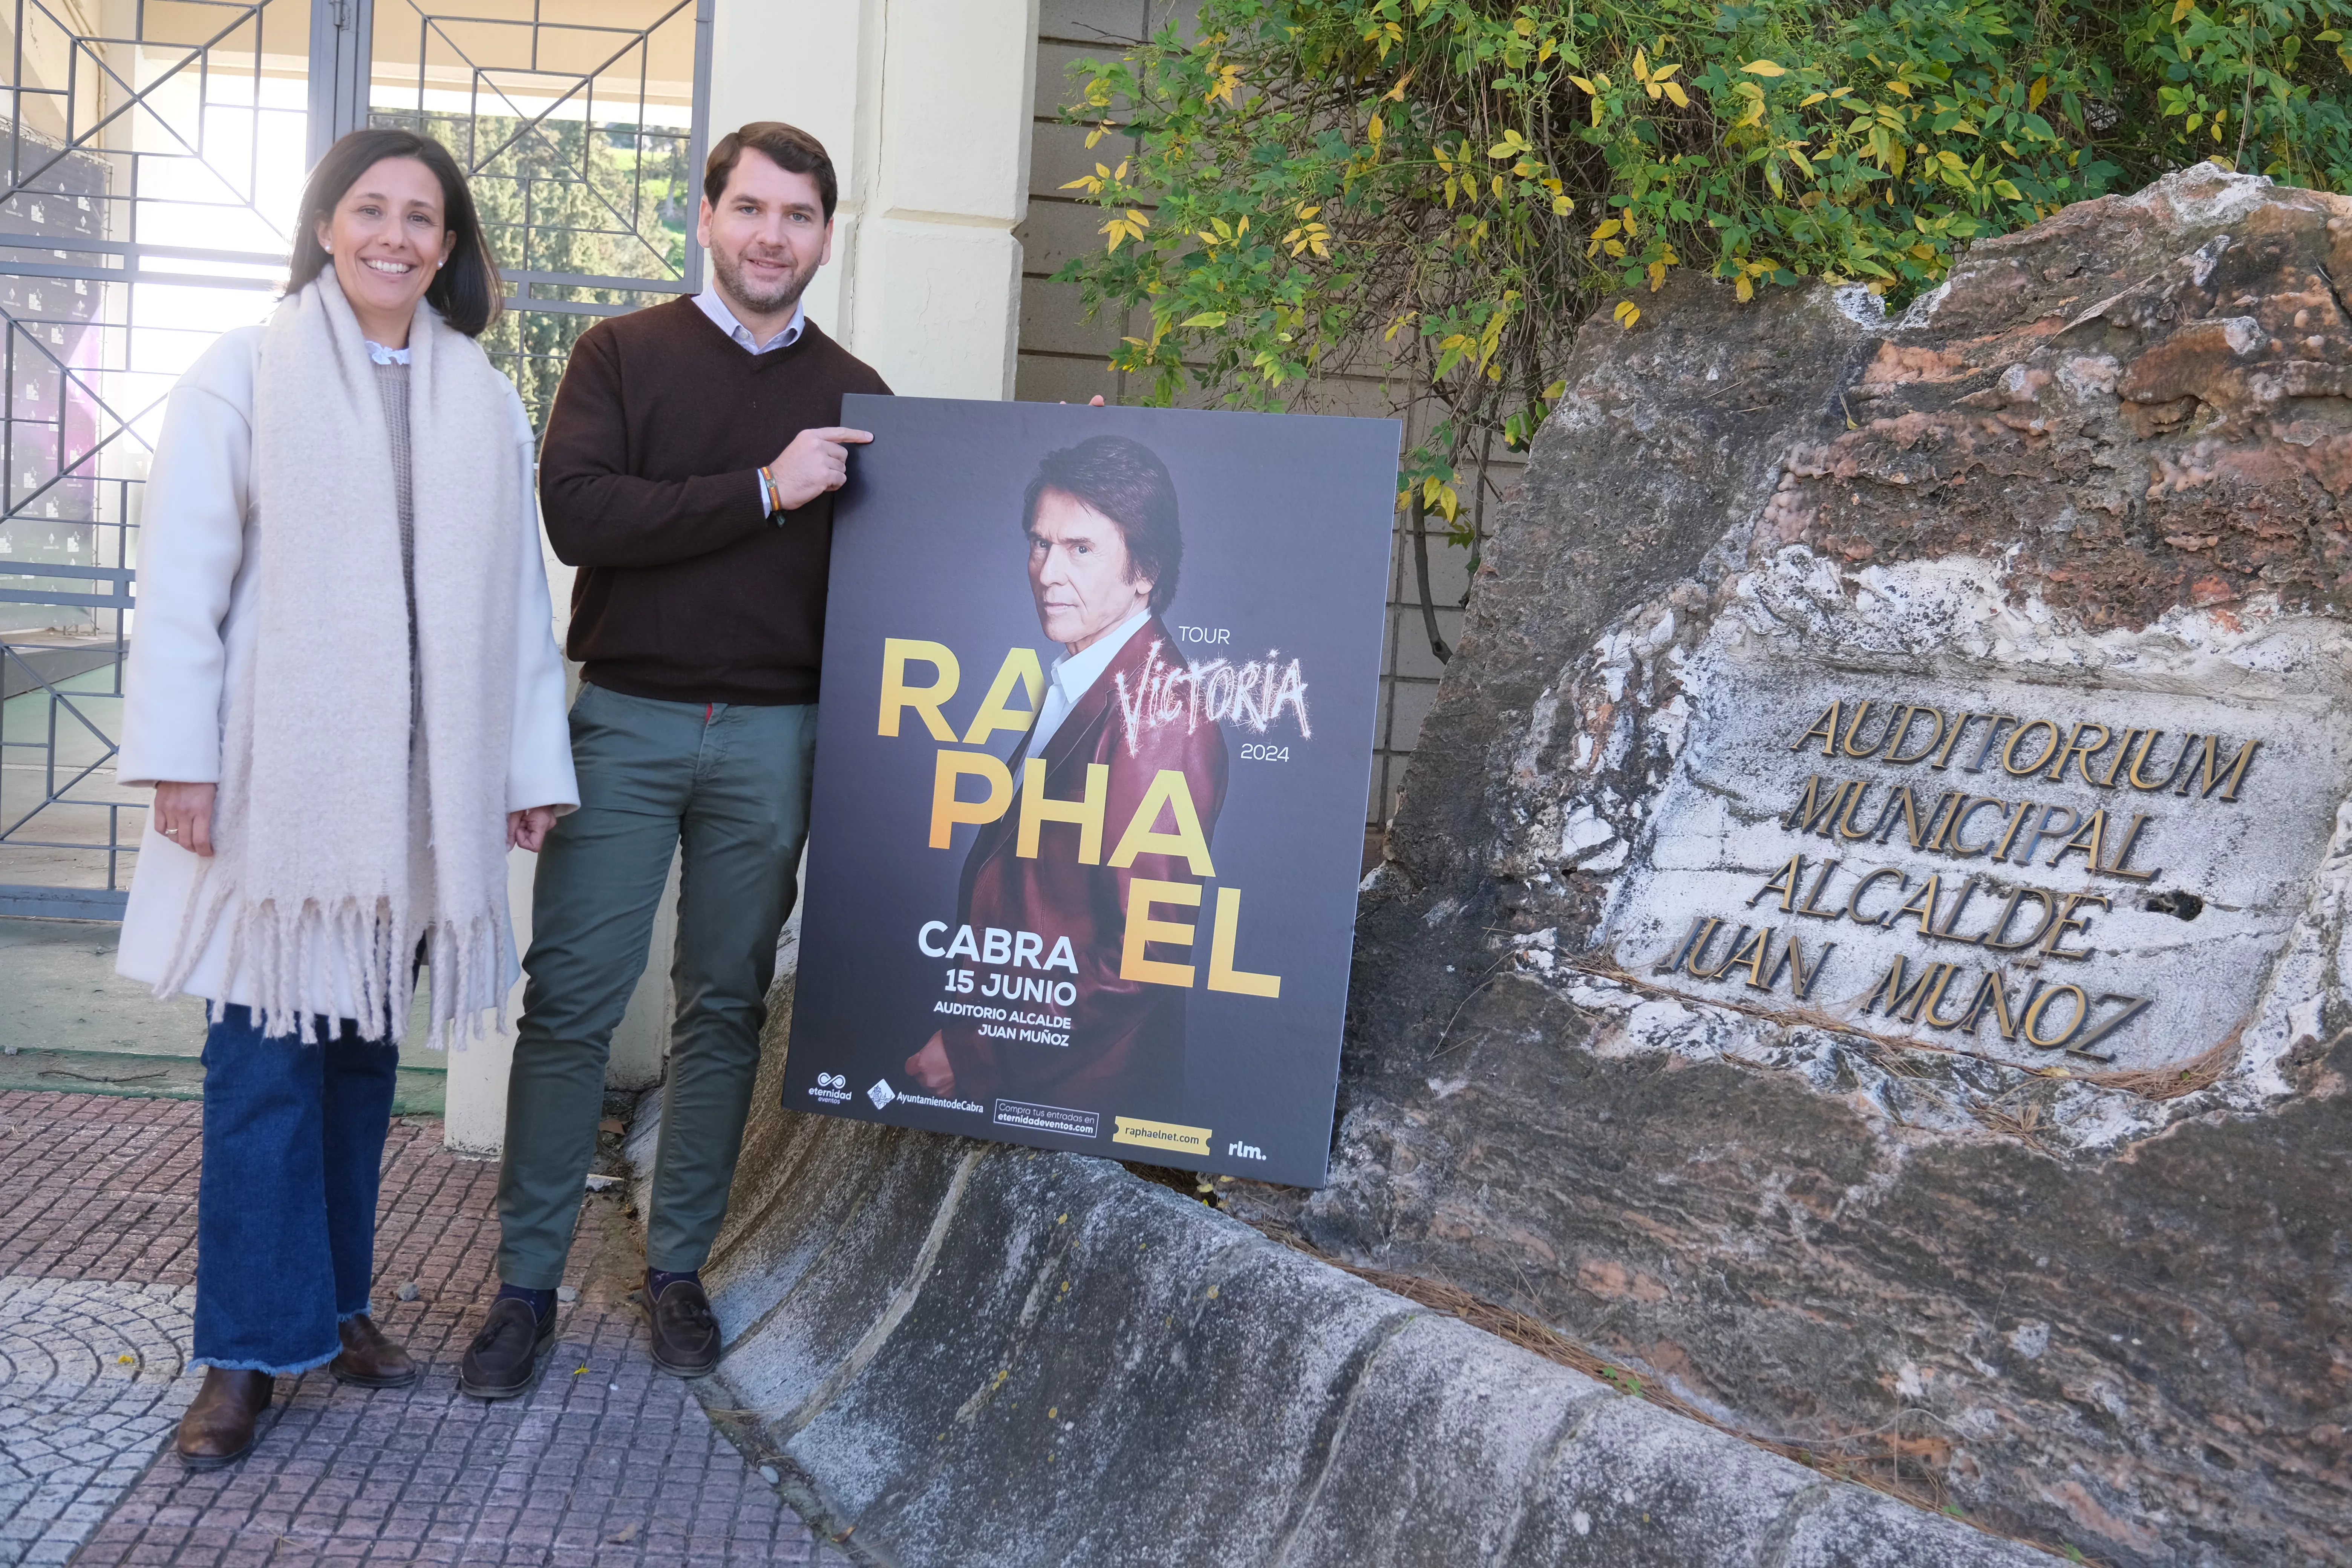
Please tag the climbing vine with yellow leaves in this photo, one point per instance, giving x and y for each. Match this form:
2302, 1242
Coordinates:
1440, 191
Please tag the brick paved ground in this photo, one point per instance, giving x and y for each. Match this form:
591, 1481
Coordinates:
607, 1464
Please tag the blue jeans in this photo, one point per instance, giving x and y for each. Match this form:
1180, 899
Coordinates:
286, 1198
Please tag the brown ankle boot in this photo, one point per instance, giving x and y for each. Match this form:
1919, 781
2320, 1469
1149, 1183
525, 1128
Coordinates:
369, 1360
218, 1430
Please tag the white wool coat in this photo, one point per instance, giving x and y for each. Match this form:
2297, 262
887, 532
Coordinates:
194, 632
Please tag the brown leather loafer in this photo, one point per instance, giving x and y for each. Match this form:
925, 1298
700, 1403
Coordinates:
505, 1358
369, 1360
685, 1333
217, 1429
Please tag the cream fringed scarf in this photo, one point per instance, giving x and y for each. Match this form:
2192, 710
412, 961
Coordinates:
325, 878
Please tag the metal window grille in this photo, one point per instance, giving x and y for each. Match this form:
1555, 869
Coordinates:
581, 137
153, 152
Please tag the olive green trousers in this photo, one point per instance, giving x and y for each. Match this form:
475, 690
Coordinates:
727, 787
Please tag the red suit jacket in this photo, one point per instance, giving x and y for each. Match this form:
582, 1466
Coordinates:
1125, 1055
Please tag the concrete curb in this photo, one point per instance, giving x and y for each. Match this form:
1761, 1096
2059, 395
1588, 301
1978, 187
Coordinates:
959, 1352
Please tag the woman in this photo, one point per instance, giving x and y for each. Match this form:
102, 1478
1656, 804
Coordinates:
344, 688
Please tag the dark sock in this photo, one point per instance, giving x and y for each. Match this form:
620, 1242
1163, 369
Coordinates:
542, 1302
657, 1280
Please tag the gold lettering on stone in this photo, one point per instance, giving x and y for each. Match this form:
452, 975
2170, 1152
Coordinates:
2009, 762
1784, 882
1911, 713
1853, 729
2235, 776
2077, 748
2036, 924
2148, 751
1965, 720
1853, 900
1826, 727
1812, 906
2074, 1022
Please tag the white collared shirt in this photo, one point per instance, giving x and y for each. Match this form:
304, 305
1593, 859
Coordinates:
383, 355
724, 319
1073, 673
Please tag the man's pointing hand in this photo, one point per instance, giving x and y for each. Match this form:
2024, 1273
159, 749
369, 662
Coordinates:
816, 462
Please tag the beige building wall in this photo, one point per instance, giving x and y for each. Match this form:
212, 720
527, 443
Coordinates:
923, 105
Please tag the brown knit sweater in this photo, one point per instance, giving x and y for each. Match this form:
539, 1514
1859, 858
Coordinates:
648, 480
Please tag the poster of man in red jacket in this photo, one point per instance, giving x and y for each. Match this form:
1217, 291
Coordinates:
1083, 858
1106, 544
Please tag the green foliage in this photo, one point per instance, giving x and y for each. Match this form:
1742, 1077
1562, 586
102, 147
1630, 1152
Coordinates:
1440, 190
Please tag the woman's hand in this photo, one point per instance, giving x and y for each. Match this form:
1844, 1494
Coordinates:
527, 829
931, 1067
183, 814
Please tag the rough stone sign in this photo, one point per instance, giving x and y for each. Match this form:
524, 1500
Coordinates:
1865, 942
2098, 871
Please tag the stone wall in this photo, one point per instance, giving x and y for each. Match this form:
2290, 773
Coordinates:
954, 1353
2106, 1303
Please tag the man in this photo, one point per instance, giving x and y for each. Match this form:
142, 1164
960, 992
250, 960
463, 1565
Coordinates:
1104, 547
687, 472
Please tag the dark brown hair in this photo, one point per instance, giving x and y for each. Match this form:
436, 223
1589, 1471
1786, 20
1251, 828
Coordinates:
1125, 481
786, 146
466, 290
